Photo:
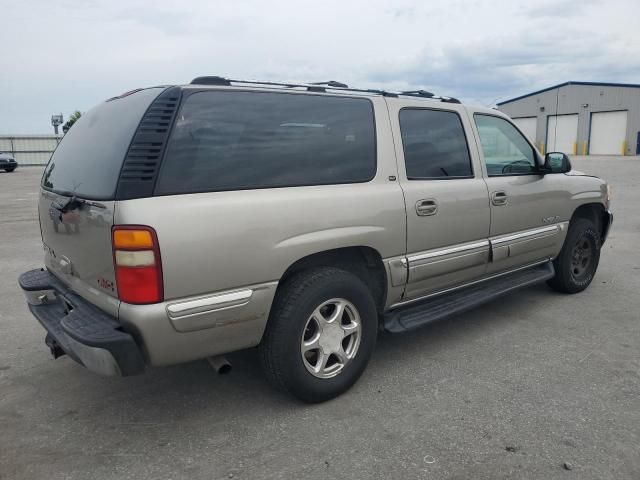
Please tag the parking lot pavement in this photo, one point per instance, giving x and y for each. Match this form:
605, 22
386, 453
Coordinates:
513, 389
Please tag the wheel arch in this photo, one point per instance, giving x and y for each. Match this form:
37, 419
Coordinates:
363, 261
595, 212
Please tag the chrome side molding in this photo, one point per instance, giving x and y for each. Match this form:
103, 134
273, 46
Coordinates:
209, 304
449, 250
543, 231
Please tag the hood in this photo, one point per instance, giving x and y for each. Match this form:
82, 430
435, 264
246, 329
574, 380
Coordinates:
578, 173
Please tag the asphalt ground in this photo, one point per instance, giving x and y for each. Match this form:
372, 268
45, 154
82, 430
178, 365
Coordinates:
514, 389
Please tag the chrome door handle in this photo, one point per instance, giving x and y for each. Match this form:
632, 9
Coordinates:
426, 207
499, 198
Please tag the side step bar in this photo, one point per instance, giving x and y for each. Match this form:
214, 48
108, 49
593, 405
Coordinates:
416, 315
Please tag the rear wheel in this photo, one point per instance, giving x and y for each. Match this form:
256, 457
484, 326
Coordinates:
321, 333
578, 260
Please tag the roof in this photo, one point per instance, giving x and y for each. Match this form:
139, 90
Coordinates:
565, 84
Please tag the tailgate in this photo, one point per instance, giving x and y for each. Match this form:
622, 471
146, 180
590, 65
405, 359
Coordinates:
77, 244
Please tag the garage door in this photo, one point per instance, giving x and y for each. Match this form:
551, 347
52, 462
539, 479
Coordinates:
562, 133
608, 133
528, 125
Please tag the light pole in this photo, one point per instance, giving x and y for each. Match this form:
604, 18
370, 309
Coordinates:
56, 121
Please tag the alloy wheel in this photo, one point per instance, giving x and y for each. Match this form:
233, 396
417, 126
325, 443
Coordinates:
331, 338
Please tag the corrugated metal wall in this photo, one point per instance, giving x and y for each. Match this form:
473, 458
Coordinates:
583, 100
29, 149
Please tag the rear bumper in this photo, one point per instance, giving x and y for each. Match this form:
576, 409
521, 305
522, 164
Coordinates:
76, 327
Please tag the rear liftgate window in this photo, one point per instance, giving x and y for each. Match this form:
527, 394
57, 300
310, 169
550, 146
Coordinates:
89, 158
244, 140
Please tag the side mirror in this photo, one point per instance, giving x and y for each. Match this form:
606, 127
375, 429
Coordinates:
556, 162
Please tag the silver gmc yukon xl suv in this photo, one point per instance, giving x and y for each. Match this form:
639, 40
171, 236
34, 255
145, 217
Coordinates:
186, 222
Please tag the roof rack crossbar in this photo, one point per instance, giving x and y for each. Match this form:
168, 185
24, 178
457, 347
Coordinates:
321, 87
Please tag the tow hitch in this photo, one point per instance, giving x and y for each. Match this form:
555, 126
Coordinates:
54, 347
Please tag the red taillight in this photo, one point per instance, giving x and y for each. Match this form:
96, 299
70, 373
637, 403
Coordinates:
136, 258
138, 284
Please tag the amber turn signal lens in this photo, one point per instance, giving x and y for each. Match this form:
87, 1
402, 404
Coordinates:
132, 239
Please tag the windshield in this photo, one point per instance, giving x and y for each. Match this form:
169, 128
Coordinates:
87, 161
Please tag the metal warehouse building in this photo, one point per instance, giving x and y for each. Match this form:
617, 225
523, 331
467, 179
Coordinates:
30, 149
580, 118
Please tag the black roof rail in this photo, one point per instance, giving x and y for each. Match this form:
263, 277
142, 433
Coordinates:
320, 87
316, 87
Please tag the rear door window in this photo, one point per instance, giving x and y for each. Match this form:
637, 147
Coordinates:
434, 143
88, 160
243, 140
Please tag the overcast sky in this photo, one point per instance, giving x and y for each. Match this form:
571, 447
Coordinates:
59, 56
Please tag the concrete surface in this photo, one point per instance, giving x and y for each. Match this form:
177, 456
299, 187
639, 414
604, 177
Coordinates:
511, 390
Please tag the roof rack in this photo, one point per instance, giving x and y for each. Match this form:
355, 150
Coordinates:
312, 87
320, 87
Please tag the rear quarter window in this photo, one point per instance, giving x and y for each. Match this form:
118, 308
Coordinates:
245, 140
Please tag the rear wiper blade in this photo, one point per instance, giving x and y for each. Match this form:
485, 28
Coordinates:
74, 202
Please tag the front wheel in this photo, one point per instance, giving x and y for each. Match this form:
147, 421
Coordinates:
578, 260
321, 334
9, 170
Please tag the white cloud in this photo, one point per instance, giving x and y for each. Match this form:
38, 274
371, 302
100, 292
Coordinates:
59, 56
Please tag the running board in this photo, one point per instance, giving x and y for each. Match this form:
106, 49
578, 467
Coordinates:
416, 315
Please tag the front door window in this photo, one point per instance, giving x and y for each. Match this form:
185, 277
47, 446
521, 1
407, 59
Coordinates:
506, 151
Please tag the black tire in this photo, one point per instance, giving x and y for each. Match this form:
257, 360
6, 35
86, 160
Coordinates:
293, 306
577, 262
9, 170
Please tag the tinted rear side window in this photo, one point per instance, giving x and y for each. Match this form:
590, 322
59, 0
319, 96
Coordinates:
434, 144
243, 140
88, 160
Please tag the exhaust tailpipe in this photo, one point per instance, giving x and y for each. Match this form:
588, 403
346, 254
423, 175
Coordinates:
220, 364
